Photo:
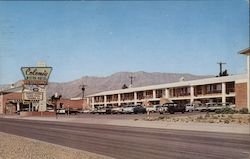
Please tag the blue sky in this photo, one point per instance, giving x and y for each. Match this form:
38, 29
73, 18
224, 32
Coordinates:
101, 38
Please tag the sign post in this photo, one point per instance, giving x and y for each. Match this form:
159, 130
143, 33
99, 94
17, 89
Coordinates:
37, 79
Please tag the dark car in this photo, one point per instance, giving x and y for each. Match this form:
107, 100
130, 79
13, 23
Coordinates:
174, 107
139, 109
71, 111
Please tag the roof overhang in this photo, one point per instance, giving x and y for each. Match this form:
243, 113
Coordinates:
12, 90
203, 81
245, 51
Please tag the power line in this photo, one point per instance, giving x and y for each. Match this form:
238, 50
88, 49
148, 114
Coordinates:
221, 65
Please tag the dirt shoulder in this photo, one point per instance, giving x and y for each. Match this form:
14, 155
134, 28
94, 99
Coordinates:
15, 147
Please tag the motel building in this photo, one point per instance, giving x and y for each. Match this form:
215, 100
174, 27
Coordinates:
233, 89
11, 101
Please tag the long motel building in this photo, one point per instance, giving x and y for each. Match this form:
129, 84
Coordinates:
234, 89
231, 89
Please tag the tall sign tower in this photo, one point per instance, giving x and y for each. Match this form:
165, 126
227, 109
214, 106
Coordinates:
34, 86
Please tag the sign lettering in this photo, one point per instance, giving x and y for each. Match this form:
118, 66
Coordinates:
36, 75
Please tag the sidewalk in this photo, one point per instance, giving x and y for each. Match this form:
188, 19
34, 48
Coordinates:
193, 126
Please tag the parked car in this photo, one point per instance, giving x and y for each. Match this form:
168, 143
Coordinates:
134, 109
201, 107
139, 109
50, 110
153, 109
190, 107
94, 111
104, 110
86, 111
218, 106
117, 110
128, 109
61, 111
163, 109
71, 111
172, 108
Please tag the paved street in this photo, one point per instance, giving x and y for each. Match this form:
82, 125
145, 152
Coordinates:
130, 142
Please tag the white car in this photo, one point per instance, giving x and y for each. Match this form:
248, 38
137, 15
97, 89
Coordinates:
128, 109
50, 110
153, 109
116, 110
190, 107
61, 111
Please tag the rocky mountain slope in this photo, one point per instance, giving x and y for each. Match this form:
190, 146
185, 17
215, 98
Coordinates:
115, 81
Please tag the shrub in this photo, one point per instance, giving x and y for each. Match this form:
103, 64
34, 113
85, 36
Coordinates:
243, 111
215, 117
226, 121
199, 117
228, 111
225, 111
207, 115
161, 117
211, 121
218, 111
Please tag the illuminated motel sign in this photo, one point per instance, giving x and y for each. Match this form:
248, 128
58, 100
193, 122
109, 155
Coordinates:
36, 75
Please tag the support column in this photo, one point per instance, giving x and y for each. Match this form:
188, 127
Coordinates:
144, 95
18, 106
105, 100
154, 94
87, 103
93, 103
135, 98
192, 94
223, 88
119, 99
167, 93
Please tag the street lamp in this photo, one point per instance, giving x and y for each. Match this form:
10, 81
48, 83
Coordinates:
54, 100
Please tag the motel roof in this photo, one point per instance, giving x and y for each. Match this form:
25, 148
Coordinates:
12, 90
176, 84
245, 51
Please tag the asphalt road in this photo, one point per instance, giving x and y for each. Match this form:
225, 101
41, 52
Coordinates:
130, 142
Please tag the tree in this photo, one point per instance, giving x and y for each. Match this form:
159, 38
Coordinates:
124, 86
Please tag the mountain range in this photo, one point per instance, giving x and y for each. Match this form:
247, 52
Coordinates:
115, 81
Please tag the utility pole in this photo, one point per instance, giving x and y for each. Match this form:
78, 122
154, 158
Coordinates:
83, 90
131, 80
221, 64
